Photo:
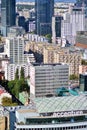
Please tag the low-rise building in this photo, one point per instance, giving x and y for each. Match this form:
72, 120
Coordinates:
52, 113
4, 119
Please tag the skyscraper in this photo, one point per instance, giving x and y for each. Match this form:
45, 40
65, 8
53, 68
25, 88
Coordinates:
7, 15
44, 11
80, 2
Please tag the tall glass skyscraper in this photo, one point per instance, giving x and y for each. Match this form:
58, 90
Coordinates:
7, 15
80, 2
44, 11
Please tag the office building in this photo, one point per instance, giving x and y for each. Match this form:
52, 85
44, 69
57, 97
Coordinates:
7, 15
56, 27
73, 21
44, 11
83, 82
54, 113
81, 2
81, 40
46, 78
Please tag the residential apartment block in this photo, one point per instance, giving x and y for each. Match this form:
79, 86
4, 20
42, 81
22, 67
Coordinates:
10, 69
53, 53
64, 55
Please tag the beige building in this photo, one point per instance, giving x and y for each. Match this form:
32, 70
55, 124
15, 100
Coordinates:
3, 123
82, 69
72, 58
52, 53
4, 119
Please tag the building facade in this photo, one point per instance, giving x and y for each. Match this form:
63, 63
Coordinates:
8, 15
14, 49
83, 82
81, 2
46, 78
44, 12
54, 113
74, 21
82, 69
65, 55
56, 27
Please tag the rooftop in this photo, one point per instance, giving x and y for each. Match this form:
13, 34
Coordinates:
49, 64
58, 104
81, 45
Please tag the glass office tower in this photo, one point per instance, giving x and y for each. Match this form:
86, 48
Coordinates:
80, 2
44, 11
7, 15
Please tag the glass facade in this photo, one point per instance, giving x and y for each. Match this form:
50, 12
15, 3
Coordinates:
7, 14
44, 121
44, 11
80, 2
83, 82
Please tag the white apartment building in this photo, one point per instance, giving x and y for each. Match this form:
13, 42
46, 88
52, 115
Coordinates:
46, 78
36, 38
73, 21
10, 69
14, 49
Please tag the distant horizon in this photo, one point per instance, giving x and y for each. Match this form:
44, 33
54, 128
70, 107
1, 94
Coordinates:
70, 1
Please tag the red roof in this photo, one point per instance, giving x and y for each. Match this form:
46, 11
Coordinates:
2, 91
81, 45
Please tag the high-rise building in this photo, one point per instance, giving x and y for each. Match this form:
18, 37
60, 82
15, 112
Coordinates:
7, 15
81, 2
14, 49
56, 27
44, 11
74, 21
83, 82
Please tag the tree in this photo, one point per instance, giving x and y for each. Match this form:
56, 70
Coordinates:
6, 101
83, 62
22, 73
73, 77
11, 84
49, 37
17, 74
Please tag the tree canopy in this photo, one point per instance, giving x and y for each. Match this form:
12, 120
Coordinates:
6, 101
73, 77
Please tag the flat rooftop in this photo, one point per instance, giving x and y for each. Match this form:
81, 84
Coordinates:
53, 64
